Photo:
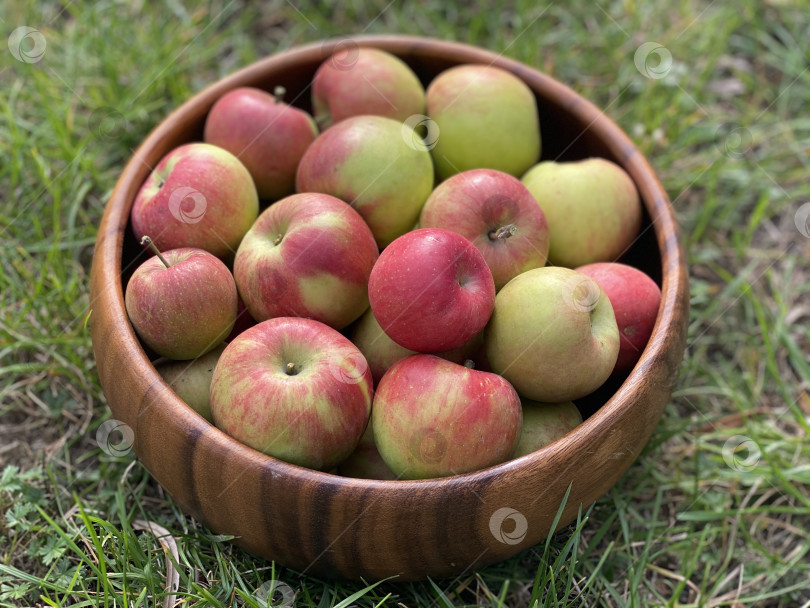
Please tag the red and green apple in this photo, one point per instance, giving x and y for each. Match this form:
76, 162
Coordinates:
266, 134
294, 389
435, 418
198, 195
182, 303
308, 255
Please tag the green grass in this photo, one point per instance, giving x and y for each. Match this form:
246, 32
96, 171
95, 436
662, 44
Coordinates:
692, 523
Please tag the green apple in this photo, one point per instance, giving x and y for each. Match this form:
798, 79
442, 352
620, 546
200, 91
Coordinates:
365, 462
191, 380
544, 423
552, 334
382, 352
486, 119
591, 206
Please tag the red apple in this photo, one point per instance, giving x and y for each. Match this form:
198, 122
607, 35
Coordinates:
434, 418
371, 81
198, 195
431, 290
635, 299
382, 352
265, 133
372, 163
497, 213
308, 255
184, 306
295, 389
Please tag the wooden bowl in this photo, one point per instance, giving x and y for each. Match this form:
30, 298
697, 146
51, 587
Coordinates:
341, 527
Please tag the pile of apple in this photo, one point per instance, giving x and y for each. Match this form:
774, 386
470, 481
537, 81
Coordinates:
420, 296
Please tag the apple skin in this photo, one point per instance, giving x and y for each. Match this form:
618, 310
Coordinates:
552, 334
635, 299
313, 417
431, 290
185, 310
366, 161
479, 204
374, 82
266, 134
544, 423
591, 206
191, 380
434, 418
308, 255
198, 195
382, 352
486, 118
365, 462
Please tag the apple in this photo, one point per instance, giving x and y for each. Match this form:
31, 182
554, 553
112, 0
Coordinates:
592, 208
308, 255
552, 334
431, 290
181, 303
372, 82
191, 380
198, 195
365, 462
635, 299
265, 133
369, 163
486, 118
294, 389
544, 423
496, 212
434, 418
381, 352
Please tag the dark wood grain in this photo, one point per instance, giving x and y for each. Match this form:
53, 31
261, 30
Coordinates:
333, 526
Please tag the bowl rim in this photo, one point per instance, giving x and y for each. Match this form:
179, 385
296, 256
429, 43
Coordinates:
106, 273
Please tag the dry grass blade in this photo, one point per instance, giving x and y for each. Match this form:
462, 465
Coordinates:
169, 545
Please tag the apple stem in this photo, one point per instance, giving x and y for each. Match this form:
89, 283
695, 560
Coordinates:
469, 364
279, 92
148, 241
278, 239
290, 369
504, 232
